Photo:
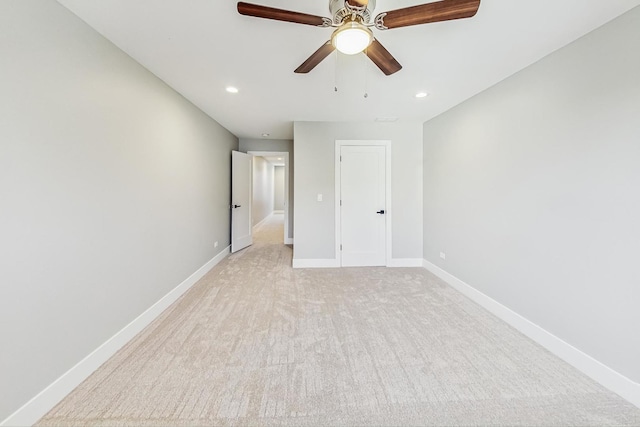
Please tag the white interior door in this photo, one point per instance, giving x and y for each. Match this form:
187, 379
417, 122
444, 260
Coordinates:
241, 169
363, 204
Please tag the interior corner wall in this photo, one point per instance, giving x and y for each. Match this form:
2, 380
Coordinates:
262, 189
277, 145
278, 188
315, 174
113, 190
531, 188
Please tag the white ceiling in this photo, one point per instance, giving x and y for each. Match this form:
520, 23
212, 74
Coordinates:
274, 160
199, 47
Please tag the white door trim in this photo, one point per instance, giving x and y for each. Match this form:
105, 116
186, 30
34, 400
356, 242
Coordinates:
285, 155
388, 210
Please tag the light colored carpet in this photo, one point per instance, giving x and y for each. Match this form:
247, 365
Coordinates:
257, 343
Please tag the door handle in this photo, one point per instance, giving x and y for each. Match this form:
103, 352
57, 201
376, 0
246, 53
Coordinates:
380, 212
236, 206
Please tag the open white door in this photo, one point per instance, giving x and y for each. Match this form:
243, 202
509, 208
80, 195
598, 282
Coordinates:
363, 205
241, 168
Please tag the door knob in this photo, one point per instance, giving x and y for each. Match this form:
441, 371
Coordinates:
380, 212
236, 206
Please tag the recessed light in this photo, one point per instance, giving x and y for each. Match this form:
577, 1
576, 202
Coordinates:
279, 158
386, 119
421, 95
232, 89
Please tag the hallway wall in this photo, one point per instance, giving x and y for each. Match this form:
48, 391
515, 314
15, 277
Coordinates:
262, 189
278, 188
113, 190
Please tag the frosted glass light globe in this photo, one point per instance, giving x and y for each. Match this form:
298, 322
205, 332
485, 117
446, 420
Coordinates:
352, 38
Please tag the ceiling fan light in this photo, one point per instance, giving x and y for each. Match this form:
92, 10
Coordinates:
352, 38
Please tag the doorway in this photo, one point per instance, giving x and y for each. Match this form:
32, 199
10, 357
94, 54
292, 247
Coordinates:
279, 202
363, 190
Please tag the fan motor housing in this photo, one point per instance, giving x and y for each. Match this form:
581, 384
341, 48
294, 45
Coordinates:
339, 11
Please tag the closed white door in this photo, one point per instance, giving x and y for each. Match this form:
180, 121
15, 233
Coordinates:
241, 168
363, 206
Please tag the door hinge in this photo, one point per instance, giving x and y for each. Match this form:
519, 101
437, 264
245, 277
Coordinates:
340, 158
340, 202
340, 247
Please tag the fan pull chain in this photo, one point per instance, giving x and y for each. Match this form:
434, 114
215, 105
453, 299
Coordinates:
335, 74
366, 76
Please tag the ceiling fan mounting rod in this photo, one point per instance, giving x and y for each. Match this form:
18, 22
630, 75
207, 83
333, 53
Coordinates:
354, 10
343, 9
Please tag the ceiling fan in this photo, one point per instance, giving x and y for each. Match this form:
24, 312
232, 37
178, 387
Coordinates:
353, 21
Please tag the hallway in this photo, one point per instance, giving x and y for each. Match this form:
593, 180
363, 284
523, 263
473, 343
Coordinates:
258, 343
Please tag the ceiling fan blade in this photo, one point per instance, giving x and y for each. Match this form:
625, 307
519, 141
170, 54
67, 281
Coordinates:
258, 11
316, 58
444, 10
382, 58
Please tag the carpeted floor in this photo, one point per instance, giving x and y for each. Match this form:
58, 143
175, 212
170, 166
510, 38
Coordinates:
257, 343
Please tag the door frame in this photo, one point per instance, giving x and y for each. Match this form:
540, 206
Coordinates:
285, 155
338, 181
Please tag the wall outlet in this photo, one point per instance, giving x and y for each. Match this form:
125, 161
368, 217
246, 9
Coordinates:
319, 197
215, 245
443, 255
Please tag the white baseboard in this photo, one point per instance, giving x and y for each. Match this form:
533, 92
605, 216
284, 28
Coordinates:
598, 371
288, 241
278, 212
261, 223
316, 263
405, 262
44, 401
335, 263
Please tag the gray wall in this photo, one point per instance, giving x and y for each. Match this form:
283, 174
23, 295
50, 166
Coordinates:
532, 189
315, 173
262, 198
113, 189
281, 145
278, 188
